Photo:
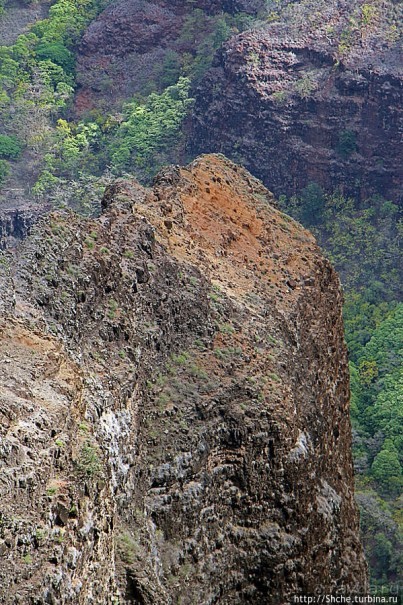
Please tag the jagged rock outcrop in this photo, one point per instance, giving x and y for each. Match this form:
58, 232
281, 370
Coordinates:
174, 403
15, 223
314, 97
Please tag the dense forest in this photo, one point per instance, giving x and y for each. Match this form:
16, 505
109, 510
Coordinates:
49, 152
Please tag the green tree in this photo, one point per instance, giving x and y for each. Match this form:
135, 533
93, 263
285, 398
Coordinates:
150, 128
10, 147
57, 53
347, 143
386, 414
4, 171
386, 469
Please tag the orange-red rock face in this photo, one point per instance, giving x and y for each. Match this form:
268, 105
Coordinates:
174, 400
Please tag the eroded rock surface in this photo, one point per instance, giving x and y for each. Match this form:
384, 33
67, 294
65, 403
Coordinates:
174, 403
15, 223
314, 97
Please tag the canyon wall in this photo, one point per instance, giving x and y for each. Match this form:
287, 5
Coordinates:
314, 100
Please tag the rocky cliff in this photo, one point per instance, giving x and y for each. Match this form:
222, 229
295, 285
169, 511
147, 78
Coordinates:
15, 223
311, 93
174, 403
314, 96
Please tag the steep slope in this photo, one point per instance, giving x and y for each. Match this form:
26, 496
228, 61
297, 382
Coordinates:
174, 395
18, 17
315, 96
137, 46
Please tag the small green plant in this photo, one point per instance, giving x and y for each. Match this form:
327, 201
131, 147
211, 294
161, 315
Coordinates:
185, 570
369, 13
226, 329
347, 143
160, 380
279, 96
197, 372
227, 353
199, 344
28, 560
59, 443
60, 536
346, 42
127, 547
162, 401
4, 171
183, 425
253, 59
40, 535
113, 307
305, 86
180, 359
88, 463
51, 491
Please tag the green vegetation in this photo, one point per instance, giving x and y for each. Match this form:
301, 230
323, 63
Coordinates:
88, 463
40, 535
128, 548
77, 160
228, 353
204, 34
347, 143
10, 147
138, 142
51, 491
363, 241
37, 79
4, 171
149, 128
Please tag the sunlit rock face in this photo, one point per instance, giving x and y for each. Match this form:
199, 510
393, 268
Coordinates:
174, 403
